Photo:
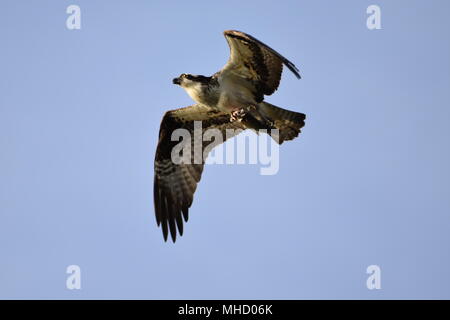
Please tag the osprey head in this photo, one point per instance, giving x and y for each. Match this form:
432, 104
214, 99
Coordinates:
187, 80
195, 86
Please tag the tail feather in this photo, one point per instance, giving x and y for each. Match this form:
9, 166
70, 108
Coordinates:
287, 122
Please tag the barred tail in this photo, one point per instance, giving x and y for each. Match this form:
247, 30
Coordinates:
287, 122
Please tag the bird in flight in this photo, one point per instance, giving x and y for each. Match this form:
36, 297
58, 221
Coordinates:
232, 98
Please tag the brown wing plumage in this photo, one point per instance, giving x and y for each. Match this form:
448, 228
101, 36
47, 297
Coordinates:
175, 184
256, 61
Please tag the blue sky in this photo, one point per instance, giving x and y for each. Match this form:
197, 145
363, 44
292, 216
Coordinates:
367, 182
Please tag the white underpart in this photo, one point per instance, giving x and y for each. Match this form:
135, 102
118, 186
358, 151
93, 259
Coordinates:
234, 93
193, 89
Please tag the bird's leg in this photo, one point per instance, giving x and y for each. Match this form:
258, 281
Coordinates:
239, 114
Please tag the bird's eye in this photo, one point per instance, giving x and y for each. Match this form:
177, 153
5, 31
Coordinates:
189, 77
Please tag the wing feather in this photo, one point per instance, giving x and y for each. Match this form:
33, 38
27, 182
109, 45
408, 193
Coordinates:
175, 184
256, 61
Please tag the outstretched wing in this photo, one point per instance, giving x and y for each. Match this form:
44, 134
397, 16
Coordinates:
254, 60
175, 184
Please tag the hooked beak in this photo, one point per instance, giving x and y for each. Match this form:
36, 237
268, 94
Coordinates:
176, 81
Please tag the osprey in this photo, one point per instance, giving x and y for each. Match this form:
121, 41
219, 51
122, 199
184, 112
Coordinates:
232, 98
